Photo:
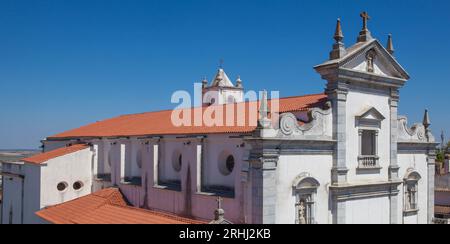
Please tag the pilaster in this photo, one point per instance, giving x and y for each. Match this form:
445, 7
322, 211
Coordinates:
262, 170
393, 165
337, 93
431, 160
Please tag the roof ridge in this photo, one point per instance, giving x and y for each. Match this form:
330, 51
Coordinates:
198, 107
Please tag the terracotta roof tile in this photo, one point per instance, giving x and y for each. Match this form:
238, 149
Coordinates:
44, 157
107, 206
159, 123
112, 214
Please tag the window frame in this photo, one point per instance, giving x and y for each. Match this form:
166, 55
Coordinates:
374, 160
411, 188
305, 189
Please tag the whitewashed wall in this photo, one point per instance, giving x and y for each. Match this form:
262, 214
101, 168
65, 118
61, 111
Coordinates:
368, 211
357, 103
290, 167
160, 198
12, 194
418, 162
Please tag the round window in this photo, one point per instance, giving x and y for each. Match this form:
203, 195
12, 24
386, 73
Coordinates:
177, 161
62, 186
226, 164
230, 163
78, 185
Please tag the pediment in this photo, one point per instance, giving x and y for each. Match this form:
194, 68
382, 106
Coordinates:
355, 63
371, 114
381, 63
371, 118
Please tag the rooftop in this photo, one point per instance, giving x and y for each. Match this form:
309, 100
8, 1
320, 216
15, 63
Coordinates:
44, 157
107, 206
159, 123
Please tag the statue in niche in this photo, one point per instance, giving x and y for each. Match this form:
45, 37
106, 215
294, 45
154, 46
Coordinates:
302, 212
370, 59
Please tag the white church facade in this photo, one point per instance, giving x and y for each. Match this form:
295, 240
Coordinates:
342, 157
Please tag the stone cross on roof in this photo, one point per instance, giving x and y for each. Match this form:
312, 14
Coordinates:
365, 16
219, 202
364, 35
219, 214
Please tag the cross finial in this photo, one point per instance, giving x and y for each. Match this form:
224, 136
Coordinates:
364, 34
365, 16
221, 61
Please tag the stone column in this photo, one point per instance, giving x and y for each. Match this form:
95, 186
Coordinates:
431, 160
262, 170
393, 165
337, 93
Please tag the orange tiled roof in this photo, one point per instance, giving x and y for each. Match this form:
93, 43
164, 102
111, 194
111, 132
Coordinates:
44, 157
159, 123
107, 206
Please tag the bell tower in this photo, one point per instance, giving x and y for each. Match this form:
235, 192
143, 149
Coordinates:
222, 90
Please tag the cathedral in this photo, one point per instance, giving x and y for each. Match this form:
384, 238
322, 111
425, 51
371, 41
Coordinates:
341, 157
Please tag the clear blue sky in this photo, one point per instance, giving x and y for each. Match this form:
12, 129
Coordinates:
66, 63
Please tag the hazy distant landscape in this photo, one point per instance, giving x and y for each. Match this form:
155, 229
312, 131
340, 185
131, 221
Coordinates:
15, 155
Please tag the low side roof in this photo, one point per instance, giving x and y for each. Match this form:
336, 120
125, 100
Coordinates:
44, 157
107, 206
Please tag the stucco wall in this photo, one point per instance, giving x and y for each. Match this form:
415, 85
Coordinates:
359, 102
70, 169
417, 162
201, 205
12, 195
368, 211
290, 167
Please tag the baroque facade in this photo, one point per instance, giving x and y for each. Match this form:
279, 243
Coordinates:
342, 157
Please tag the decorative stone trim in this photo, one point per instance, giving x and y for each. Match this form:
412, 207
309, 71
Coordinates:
316, 125
361, 191
416, 133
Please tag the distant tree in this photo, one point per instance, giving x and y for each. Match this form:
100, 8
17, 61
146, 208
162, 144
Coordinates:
440, 156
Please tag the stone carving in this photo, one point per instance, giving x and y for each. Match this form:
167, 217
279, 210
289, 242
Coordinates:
416, 133
316, 125
301, 212
370, 58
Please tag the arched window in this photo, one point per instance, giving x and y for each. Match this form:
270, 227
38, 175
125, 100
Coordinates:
305, 190
139, 159
177, 161
231, 100
110, 157
411, 190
